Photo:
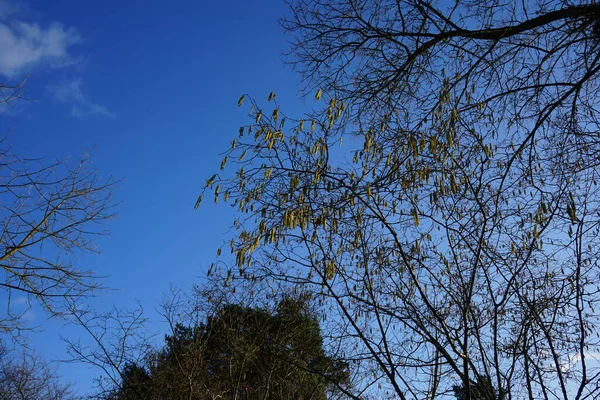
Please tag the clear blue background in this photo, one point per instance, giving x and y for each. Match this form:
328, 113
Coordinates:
171, 74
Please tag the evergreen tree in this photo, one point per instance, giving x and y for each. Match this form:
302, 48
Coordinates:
242, 353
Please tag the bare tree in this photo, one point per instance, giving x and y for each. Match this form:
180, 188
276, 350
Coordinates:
453, 239
49, 216
111, 342
27, 376
12, 92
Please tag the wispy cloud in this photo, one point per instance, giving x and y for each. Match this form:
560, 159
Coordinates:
71, 92
575, 359
25, 46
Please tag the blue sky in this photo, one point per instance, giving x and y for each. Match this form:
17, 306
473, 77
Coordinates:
150, 88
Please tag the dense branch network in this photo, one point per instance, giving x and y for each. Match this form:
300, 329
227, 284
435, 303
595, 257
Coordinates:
453, 237
49, 215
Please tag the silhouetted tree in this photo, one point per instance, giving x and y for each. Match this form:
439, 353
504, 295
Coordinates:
240, 353
455, 233
24, 375
50, 213
136, 384
481, 389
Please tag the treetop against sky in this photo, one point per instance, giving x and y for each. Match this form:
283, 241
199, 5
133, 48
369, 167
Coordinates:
150, 91
438, 200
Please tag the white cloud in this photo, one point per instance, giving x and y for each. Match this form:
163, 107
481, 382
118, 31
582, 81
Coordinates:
71, 92
24, 46
84, 110
68, 91
575, 359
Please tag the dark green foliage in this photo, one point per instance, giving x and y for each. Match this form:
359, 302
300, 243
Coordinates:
243, 353
136, 384
482, 389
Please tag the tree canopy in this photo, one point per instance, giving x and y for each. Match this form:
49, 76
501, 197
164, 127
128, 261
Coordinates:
453, 237
239, 352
